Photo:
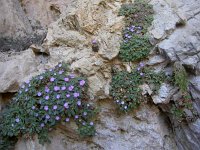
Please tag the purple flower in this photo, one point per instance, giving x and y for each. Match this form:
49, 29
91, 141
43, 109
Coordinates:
122, 102
42, 125
141, 64
47, 117
63, 88
117, 101
66, 79
76, 116
52, 79
126, 35
23, 86
50, 69
47, 89
61, 71
138, 69
55, 107
76, 94
129, 37
125, 107
83, 123
60, 65
56, 88
71, 87
20, 92
91, 123
66, 105
58, 96
82, 82
46, 108
26, 90
72, 76
57, 118
39, 94
36, 115
27, 82
17, 120
33, 107
67, 119
47, 97
79, 103
132, 30
94, 41
41, 77
68, 95
141, 74
84, 113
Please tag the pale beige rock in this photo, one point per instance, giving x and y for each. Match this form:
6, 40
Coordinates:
16, 71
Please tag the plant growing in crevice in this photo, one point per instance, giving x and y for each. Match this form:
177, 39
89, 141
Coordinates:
46, 100
125, 88
138, 17
183, 108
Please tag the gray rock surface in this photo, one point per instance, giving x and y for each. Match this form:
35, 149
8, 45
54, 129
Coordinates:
16, 32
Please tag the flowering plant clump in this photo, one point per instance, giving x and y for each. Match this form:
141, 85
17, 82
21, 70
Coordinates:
45, 101
138, 18
125, 86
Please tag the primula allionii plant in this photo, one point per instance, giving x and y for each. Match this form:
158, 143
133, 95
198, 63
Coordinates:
45, 101
138, 17
125, 88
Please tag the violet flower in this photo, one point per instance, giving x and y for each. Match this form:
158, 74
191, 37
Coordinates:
56, 88
55, 107
57, 118
66, 79
42, 125
91, 123
66, 105
17, 120
33, 107
67, 119
63, 88
82, 82
58, 96
76, 94
52, 79
68, 95
39, 94
71, 87
47, 97
79, 103
46, 108
47, 117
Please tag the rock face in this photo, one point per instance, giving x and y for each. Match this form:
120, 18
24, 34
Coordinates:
181, 44
72, 26
16, 32
147, 130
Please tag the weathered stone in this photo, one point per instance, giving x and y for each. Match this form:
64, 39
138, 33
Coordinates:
16, 71
16, 31
165, 92
147, 130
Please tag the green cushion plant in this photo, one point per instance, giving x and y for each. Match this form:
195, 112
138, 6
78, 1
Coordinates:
45, 101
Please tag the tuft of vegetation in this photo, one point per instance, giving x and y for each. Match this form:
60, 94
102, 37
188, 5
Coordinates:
135, 49
180, 77
46, 100
125, 86
138, 17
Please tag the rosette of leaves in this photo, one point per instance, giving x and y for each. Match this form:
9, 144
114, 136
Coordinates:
125, 88
138, 17
46, 100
